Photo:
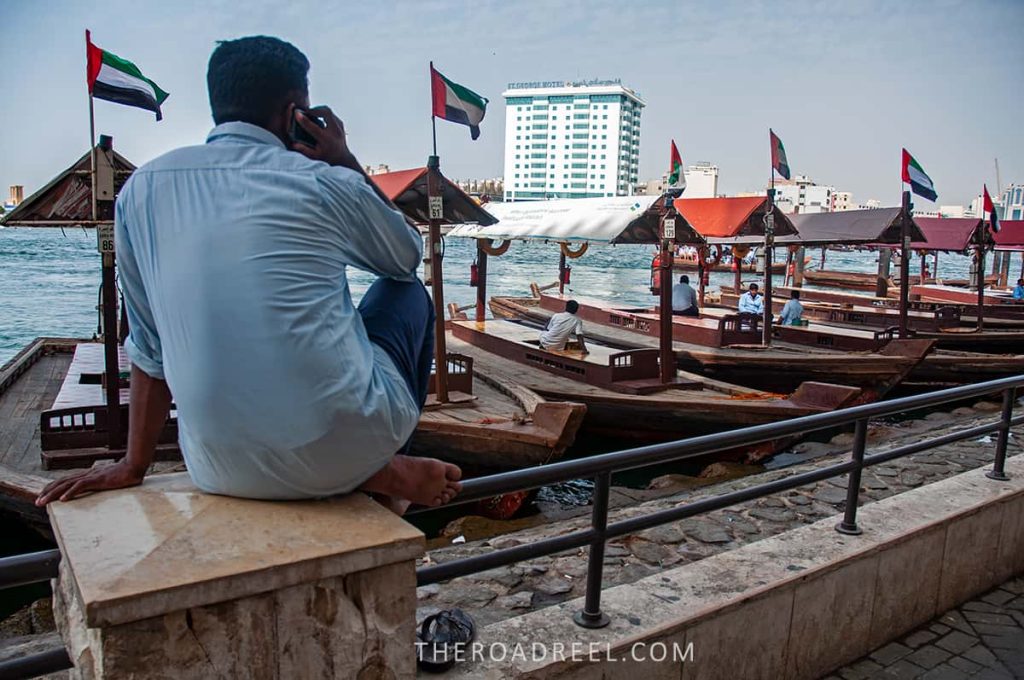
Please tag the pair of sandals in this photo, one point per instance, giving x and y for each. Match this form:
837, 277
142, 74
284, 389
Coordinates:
443, 638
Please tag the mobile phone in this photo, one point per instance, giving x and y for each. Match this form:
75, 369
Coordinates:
298, 133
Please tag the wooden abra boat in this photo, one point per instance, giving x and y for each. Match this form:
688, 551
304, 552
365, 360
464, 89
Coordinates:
776, 369
621, 390
52, 417
835, 278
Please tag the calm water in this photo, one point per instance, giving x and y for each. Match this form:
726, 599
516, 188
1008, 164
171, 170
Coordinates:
49, 279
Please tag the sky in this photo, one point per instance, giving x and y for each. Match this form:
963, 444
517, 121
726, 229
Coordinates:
844, 83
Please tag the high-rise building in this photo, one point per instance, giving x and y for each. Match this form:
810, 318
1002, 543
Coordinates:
571, 139
1013, 202
802, 195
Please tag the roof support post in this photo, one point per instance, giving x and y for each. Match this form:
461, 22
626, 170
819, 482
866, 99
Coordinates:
481, 281
769, 246
667, 356
904, 263
436, 214
980, 250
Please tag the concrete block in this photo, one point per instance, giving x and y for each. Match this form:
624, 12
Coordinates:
968, 562
1010, 557
831, 618
907, 588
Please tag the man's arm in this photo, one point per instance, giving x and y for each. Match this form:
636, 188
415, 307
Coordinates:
150, 404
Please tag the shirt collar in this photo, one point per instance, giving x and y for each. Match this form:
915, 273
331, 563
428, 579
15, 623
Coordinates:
248, 131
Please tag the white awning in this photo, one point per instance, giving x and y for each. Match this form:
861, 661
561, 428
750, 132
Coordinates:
617, 219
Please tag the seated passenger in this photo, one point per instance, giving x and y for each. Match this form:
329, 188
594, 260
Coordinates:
684, 298
561, 326
1018, 290
792, 310
751, 302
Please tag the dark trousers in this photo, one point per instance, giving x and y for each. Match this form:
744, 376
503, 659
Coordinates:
692, 311
399, 318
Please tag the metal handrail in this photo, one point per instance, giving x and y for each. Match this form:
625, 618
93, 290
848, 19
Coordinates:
21, 570
601, 467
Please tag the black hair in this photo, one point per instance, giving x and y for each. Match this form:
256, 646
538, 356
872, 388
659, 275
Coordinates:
755, 286
795, 294
684, 279
572, 306
249, 79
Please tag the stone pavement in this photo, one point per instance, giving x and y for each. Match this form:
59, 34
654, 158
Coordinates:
981, 639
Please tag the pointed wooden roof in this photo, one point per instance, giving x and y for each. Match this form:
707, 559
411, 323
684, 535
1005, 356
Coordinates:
1010, 235
408, 190
734, 219
954, 234
68, 196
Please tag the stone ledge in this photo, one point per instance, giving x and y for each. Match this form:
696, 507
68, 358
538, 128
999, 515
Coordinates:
165, 546
918, 553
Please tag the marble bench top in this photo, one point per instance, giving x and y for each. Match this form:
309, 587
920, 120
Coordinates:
166, 546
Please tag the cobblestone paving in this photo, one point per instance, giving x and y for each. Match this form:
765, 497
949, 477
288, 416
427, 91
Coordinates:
983, 638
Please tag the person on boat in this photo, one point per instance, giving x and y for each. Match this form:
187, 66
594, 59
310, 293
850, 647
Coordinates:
792, 311
1018, 290
562, 325
751, 302
232, 257
684, 298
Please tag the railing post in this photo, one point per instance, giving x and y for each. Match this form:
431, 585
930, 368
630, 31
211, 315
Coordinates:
591, 615
849, 524
998, 470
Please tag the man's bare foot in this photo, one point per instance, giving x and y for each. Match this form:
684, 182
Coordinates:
423, 481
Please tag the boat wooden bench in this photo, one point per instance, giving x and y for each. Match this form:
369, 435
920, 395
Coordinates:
726, 330
74, 432
863, 314
634, 371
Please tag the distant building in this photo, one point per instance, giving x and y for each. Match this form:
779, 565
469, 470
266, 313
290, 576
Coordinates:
1013, 202
953, 211
571, 140
15, 196
843, 200
381, 169
701, 182
494, 189
802, 195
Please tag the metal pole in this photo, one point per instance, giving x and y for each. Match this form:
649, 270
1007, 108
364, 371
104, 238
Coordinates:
849, 524
769, 245
436, 276
591, 615
561, 271
481, 281
981, 286
998, 470
667, 356
904, 264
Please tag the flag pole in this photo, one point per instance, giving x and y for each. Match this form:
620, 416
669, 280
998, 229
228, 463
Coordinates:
435, 213
769, 245
433, 118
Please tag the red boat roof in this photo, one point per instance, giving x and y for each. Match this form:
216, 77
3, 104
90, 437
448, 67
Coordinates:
730, 217
1010, 235
947, 233
408, 190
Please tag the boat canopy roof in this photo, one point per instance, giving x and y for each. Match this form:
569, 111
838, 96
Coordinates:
878, 226
407, 189
614, 220
732, 219
68, 196
1010, 235
954, 234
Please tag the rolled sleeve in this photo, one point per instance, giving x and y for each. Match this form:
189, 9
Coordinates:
374, 237
143, 342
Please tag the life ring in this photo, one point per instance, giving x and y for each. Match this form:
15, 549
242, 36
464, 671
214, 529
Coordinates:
740, 251
794, 249
573, 254
711, 261
921, 252
487, 245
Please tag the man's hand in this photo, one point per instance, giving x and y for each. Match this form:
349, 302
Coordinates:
331, 145
120, 475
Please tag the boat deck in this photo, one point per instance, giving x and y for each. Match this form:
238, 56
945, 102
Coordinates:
20, 407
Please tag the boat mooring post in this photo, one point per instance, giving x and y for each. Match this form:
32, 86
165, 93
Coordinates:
667, 356
561, 272
436, 214
905, 263
481, 281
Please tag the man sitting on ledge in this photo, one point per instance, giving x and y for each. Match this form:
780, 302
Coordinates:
233, 259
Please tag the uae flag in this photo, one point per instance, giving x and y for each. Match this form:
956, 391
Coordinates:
120, 81
676, 177
779, 162
456, 103
989, 207
914, 175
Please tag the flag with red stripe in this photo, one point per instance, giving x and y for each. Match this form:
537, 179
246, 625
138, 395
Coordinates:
120, 81
456, 103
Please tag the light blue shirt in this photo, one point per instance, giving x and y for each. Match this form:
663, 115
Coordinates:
750, 304
232, 258
683, 297
791, 312
1018, 292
